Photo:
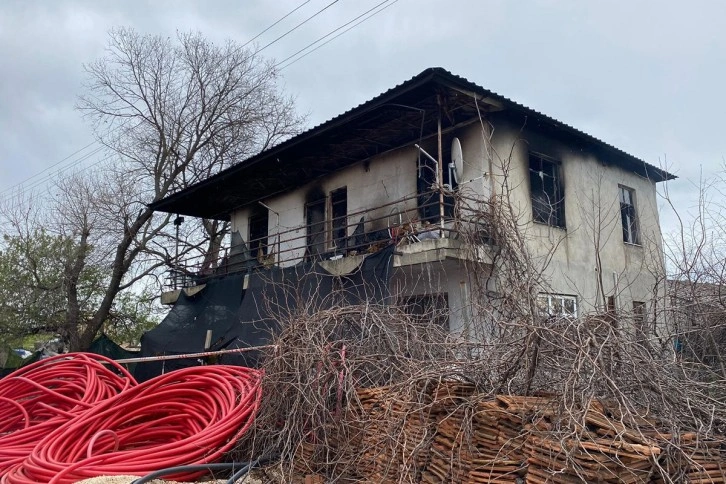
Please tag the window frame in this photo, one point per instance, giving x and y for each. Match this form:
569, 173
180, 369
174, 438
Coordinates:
629, 209
337, 224
262, 217
544, 212
551, 297
419, 307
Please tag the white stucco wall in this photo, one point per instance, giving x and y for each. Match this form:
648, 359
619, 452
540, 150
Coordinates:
445, 277
384, 179
568, 257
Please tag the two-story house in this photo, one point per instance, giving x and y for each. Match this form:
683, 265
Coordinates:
412, 167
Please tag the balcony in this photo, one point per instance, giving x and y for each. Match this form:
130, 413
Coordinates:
414, 225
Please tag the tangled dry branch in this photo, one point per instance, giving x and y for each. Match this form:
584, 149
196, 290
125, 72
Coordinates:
373, 392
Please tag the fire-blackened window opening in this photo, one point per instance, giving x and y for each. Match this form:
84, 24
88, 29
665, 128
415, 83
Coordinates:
428, 309
428, 197
339, 216
629, 216
548, 191
315, 225
258, 232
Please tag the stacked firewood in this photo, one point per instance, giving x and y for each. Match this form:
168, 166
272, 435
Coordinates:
699, 461
394, 435
446, 432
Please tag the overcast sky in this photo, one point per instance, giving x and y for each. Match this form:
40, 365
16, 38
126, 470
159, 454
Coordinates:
646, 76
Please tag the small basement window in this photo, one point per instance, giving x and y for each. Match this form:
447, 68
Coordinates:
555, 305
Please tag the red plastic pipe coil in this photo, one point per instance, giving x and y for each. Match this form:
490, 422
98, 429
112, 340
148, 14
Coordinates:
189, 416
40, 397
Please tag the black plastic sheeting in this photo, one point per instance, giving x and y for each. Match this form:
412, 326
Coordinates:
248, 318
103, 345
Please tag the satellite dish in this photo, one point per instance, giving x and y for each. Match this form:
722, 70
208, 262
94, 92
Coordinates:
456, 167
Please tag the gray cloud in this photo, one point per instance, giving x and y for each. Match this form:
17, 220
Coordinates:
645, 76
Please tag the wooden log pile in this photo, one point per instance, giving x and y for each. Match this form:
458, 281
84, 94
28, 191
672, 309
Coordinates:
394, 435
448, 433
702, 461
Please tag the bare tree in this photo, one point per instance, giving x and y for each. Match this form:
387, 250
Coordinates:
696, 305
170, 112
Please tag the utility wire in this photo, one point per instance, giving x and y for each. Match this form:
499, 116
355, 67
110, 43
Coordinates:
19, 188
25, 189
281, 65
277, 22
46, 169
300, 24
334, 31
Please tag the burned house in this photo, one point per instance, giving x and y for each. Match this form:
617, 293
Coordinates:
391, 173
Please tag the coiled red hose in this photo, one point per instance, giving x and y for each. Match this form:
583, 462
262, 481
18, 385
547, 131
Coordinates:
42, 396
189, 416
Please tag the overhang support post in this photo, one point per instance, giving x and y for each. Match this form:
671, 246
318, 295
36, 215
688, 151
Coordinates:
440, 167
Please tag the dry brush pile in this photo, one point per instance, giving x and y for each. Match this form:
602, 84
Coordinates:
364, 393
355, 392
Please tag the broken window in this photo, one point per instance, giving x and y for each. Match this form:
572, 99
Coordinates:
548, 200
258, 232
429, 202
556, 305
629, 216
315, 228
428, 309
339, 217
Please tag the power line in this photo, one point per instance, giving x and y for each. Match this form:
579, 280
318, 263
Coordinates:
333, 31
46, 169
355, 22
11, 190
9, 193
300, 24
277, 22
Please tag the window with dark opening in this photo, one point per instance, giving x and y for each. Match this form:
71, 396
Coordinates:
258, 232
548, 195
429, 202
629, 216
427, 309
339, 216
315, 230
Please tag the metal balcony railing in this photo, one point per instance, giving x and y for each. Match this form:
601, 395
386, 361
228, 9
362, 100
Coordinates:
407, 220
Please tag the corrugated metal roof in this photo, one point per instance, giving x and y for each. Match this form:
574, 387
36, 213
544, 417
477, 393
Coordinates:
436, 75
476, 87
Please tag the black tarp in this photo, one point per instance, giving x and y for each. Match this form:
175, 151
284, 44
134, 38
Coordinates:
248, 318
184, 329
103, 345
